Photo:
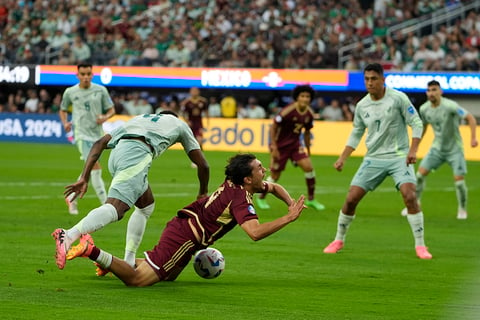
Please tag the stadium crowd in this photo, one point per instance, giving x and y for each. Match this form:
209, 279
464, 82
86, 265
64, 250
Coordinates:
219, 33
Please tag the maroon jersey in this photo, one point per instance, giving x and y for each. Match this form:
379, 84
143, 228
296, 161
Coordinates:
193, 111
217, 214
290, 123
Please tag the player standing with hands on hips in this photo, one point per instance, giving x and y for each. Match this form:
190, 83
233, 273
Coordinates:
385, 114
445, 116
285, 143
91, 105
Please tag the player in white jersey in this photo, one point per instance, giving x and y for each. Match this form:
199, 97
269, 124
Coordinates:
90, 105
445, 116
135, 145
385, 113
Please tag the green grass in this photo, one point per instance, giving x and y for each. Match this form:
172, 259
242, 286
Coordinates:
286, 276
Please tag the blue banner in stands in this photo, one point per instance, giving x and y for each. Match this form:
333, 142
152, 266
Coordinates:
256, 79
31, 127
451, 83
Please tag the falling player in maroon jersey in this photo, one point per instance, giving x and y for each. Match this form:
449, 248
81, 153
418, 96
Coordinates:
200, 224
285, 143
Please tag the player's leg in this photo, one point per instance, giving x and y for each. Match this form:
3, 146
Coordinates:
459, 166
97, 182
415, 219
421, 176
277, 165
369, 175
198, 133
96, 219
96, 173
142, 276
73, 203
345, 218
304, 162
137, 223
432, 161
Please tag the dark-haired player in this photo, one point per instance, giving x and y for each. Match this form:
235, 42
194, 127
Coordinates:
135, 144
200, 224
91, 106
385, 114
445, 116
285, 143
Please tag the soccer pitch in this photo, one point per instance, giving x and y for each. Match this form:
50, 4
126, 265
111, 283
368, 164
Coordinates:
285, 276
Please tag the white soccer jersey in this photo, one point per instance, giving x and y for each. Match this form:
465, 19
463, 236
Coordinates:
386, 120
87, 105
445, 120
159, 130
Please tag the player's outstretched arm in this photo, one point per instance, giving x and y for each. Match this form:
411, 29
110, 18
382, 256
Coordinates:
338, 165
257, 231
472, 123
203, 171
80, 187
279, 191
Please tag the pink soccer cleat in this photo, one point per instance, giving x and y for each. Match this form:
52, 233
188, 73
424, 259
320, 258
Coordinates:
61, 249
334, 247
422, 252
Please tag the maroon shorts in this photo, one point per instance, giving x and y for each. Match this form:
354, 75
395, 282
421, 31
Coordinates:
295, 153
174, 250
197, 131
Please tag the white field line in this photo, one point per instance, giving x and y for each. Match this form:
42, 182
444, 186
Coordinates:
12, 192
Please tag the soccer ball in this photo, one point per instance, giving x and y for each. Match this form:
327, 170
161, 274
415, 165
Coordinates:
209, 263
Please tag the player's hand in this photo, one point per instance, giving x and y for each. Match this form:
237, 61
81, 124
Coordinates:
296, 208
78, 189
275, 153
474, 143
101, 119
411, 158
338, 165
67, 126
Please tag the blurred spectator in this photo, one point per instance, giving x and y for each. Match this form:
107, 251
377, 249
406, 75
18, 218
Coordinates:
252, 110
333, 112
64, 55
150, 55
162, 106
80, 51
470, 58
214, 109
58, 40
318, 105
347, 111
137, 104
31, 104
118, 104
129, 53
55, 105
144, 30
